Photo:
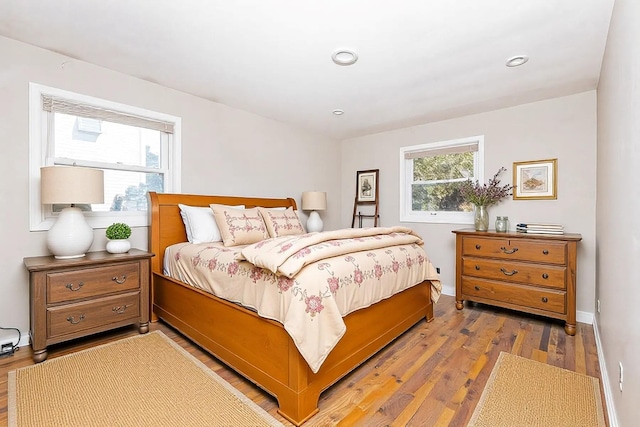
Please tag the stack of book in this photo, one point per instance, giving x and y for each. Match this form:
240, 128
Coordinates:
539, 228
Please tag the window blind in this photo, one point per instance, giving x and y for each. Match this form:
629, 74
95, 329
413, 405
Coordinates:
439, 151
60, 105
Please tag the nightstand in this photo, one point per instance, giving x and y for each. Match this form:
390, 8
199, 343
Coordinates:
73, 298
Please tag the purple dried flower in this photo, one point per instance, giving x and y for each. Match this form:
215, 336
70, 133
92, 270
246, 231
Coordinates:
486, 194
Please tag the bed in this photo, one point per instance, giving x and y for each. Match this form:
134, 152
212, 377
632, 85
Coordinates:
260, 348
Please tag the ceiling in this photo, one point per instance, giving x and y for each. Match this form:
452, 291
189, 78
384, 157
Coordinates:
418, 60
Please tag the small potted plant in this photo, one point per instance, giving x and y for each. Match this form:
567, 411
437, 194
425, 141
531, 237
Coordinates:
118, 233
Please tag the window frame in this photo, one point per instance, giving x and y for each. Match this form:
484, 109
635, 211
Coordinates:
407, 214
41, 217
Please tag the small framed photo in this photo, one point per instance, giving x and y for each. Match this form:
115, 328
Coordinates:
367, 186
535, 180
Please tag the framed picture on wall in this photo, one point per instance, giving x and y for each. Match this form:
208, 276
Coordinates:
367, 186
535, 180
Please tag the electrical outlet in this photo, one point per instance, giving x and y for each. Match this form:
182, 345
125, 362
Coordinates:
598, 306
6, 350
621, 375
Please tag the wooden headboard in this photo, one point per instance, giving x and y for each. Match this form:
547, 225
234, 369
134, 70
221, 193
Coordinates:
167, 227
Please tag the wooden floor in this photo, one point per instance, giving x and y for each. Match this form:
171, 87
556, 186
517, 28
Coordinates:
431, 376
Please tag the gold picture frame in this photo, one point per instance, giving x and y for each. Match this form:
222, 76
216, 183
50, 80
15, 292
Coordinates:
535, 180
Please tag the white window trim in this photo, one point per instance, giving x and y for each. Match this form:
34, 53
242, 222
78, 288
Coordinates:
406, 178
38, 220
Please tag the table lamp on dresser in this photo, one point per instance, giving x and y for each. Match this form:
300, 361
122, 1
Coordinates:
314, 201
71, 236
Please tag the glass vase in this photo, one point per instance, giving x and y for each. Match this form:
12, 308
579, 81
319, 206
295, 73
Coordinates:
481, 218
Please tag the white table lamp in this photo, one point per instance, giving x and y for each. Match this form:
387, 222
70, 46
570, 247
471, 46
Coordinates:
314, 201
71, 236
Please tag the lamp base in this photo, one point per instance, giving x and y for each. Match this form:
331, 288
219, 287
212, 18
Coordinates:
314, 222
70, 236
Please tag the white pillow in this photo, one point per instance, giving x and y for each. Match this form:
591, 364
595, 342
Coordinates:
200, 224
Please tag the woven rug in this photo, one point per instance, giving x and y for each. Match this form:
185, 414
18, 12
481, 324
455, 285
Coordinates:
525, 393
146, 380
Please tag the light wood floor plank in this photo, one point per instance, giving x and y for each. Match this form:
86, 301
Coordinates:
431, 376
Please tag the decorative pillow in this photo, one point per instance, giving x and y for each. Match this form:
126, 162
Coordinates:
239, 226
200, 224
281, 222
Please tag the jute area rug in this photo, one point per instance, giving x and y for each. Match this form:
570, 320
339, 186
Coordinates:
525, 393
146, 380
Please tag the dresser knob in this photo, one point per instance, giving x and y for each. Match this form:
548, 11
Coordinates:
477, 288
72, 320
545, 252
71, 288
477, 267
545, 276
119, 281
478, 246
545, 299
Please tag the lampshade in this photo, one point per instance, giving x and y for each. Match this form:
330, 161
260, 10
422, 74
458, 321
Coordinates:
314, 200
71, 236
71, 184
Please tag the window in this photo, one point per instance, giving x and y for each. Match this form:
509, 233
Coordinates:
430, 179
138, 150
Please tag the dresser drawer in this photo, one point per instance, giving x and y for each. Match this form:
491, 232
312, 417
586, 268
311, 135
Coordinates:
79, 316
75, 285
551, 276
526, 296
516, 249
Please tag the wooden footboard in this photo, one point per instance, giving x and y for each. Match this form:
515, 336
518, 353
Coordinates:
261, 349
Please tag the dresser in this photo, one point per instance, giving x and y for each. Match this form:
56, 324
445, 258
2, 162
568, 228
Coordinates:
72, 298
533, 273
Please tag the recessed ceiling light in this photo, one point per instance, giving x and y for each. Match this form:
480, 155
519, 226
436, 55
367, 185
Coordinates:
516, 61
338, 112
344, 57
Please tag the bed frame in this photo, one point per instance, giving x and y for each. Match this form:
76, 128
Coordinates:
258, 348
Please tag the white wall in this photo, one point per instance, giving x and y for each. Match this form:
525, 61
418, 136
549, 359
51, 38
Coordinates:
224, 151
618, 208
562, 128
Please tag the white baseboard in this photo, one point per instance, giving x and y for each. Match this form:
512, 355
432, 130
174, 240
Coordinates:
448, 290
606, 386
24, 340
584, 317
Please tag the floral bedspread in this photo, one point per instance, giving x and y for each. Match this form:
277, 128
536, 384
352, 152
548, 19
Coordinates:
308, 282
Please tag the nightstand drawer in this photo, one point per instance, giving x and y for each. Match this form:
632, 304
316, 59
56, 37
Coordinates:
90, 282
70, 318
516, 249
542, 299
550, 276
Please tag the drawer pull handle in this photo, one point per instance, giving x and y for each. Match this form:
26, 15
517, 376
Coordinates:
71, 320
477, 267
508, 273
478, 246
477, 288
545, 299
545, 276
509, 251
119, 281
545, 252
119, 309
71, 288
